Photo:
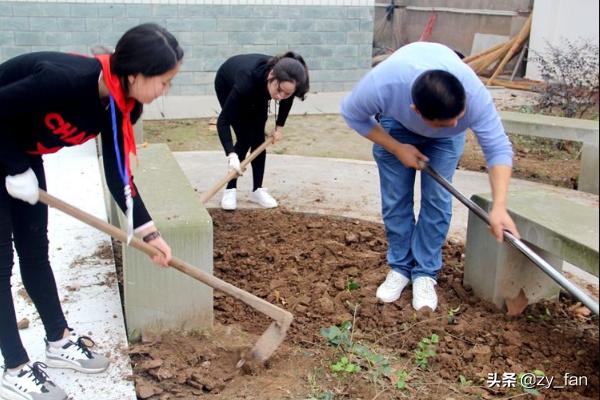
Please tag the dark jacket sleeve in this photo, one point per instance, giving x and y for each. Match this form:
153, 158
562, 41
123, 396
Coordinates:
284, 109
228, 112
113, 179
33, 90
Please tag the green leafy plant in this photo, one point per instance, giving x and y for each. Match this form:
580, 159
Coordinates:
352, 285
464, 381
451, 316
426, 349
402, 376
338, 336
345, 365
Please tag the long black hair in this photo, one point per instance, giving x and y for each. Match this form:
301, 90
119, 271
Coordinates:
290, 67
147, 49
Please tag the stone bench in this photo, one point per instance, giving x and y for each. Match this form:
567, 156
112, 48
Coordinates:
578, 130
157, 299
556, 228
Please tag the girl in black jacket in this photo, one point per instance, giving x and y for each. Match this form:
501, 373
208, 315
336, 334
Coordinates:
245, 84
50, 101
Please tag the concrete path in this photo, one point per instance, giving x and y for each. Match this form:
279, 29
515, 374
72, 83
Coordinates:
87, 283
346, 188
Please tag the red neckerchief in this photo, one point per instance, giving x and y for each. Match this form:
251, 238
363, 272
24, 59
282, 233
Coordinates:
125, 105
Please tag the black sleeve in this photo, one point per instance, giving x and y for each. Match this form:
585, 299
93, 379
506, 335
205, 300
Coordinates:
44, 85
284, 109
113, 179
12, 159
228, 112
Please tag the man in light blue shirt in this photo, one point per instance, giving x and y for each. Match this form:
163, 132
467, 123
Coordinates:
426, 98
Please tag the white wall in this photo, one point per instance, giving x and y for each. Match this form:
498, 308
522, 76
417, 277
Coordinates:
554, 20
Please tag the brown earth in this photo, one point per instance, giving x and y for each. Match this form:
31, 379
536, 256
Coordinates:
325, 271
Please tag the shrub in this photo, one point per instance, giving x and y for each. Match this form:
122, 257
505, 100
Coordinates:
570, 70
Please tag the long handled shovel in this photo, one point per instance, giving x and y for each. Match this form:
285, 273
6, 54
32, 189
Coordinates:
234, 174
518, 244
269, 341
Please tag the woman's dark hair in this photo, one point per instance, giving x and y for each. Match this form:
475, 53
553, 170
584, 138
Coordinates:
290, 67
438, 95
147, 49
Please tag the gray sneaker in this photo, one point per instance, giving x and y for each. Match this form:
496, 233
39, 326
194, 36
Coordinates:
31, 383
76, 355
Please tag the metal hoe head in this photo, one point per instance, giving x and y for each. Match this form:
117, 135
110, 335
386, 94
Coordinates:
269, 341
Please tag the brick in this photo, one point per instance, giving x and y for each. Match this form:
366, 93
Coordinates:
276, 26
360, 12
191, 24
366, 25
252, 38
43, 24
71, 24
240, 25
139, 10
29, 38
345, 51
7, 38
216, 38
359, 37
85, 38
165, 10
6, 9
14, 24
27, 9
8, 52
58, 38
98, 24
124, 24
301, 25
333, 38
111, 10
85, 10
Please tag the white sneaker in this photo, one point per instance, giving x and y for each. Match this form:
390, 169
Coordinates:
30, 383
262, 197
391, 289
229, 200
424, 293
76, 355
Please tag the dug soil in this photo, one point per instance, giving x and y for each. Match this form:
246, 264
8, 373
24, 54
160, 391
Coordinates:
325, 271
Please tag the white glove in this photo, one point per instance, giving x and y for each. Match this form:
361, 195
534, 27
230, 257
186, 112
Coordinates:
234, 163
23, 186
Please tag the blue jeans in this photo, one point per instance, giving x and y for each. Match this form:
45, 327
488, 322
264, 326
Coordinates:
415, 247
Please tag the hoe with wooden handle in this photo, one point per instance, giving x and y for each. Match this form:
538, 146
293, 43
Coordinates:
234, 174
269, 341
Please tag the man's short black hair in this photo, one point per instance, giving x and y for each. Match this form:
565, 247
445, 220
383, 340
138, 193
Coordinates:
438, 95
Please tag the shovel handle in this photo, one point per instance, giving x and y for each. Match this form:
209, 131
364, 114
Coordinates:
204, 197
518, 244
257, 303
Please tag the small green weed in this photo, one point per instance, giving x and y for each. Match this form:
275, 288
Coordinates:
352, 285
345, 365
426, 350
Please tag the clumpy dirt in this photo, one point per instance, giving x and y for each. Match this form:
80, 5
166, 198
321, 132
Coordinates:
325, 271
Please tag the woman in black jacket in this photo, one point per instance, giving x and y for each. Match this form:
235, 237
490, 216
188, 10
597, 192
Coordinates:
245, 85
49, 101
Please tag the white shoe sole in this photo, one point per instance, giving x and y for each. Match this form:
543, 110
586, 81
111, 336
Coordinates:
262, 205
67, 365
388, 300
228, 208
